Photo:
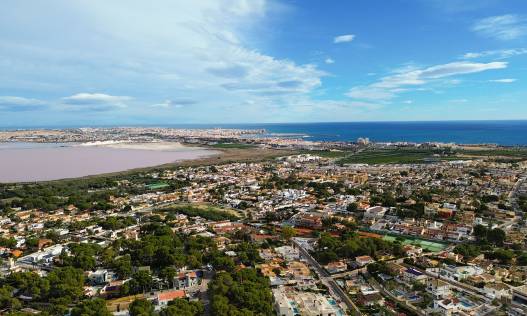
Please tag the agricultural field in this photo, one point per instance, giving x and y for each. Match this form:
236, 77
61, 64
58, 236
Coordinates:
232, 145
396, 156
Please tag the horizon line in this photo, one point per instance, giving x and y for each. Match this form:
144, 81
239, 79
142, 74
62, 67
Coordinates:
123, 125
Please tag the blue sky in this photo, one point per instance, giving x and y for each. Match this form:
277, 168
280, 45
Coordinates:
93, 62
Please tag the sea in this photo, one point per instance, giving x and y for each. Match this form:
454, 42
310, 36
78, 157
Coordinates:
506, 133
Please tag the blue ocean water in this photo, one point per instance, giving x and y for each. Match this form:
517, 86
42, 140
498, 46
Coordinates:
507, 133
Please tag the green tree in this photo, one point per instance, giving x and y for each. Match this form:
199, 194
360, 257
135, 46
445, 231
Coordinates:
480, 232
496, 236
141, 281
7, 301
141, 307
288, 232
66, 283
123, 266
95, 307
168, 274
181, 307
352, 207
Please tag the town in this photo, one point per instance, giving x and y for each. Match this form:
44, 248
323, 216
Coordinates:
322, 229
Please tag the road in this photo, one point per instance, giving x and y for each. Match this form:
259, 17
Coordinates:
514, 203
326, 279
381, 289
461, 286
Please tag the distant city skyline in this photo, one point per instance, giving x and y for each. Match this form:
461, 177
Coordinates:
261, 61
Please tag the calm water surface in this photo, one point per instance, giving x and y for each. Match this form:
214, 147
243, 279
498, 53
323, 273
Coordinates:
21, 162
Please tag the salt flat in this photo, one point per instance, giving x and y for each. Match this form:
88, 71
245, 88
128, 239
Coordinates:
23, 162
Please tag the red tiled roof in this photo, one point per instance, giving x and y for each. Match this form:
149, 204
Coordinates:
170, 295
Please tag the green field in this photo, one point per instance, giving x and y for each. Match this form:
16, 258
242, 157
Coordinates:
327, 153
501, 152
157, 186
207, 211
425, 244
394, 156
233, 145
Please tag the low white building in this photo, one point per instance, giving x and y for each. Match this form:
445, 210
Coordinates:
288, 302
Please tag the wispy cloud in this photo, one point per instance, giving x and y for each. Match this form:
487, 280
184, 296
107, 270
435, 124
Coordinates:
390, 86
329, 61
504, 80
343, 38
20, 104
96, 101
178, 103
499, 54
197, 49
502, 27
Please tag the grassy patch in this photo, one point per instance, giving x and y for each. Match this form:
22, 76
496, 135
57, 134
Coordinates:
327, 153
206, 211
157, 186
499, 152
425, 244
233, 145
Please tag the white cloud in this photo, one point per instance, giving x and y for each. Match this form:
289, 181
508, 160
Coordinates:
388, 87
20, 104
460, 68
178, 103
343, 38
502, 27
165, 104
504, 80
500, 54
97, 101
329, 61
199, 49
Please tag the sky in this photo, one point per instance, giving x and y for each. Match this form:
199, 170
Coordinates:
100, 62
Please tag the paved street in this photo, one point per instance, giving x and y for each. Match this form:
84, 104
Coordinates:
335, 290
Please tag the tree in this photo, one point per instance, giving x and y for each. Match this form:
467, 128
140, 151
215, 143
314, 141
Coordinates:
480, 232
29, 284
181, 307
123, 266
503, 255
243, 292
95, 307
82, 256
66, 283
141, 307
352, 207
168, 274
288, 232
467, 251
522, 259
496, 236
7, 301
141, 281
